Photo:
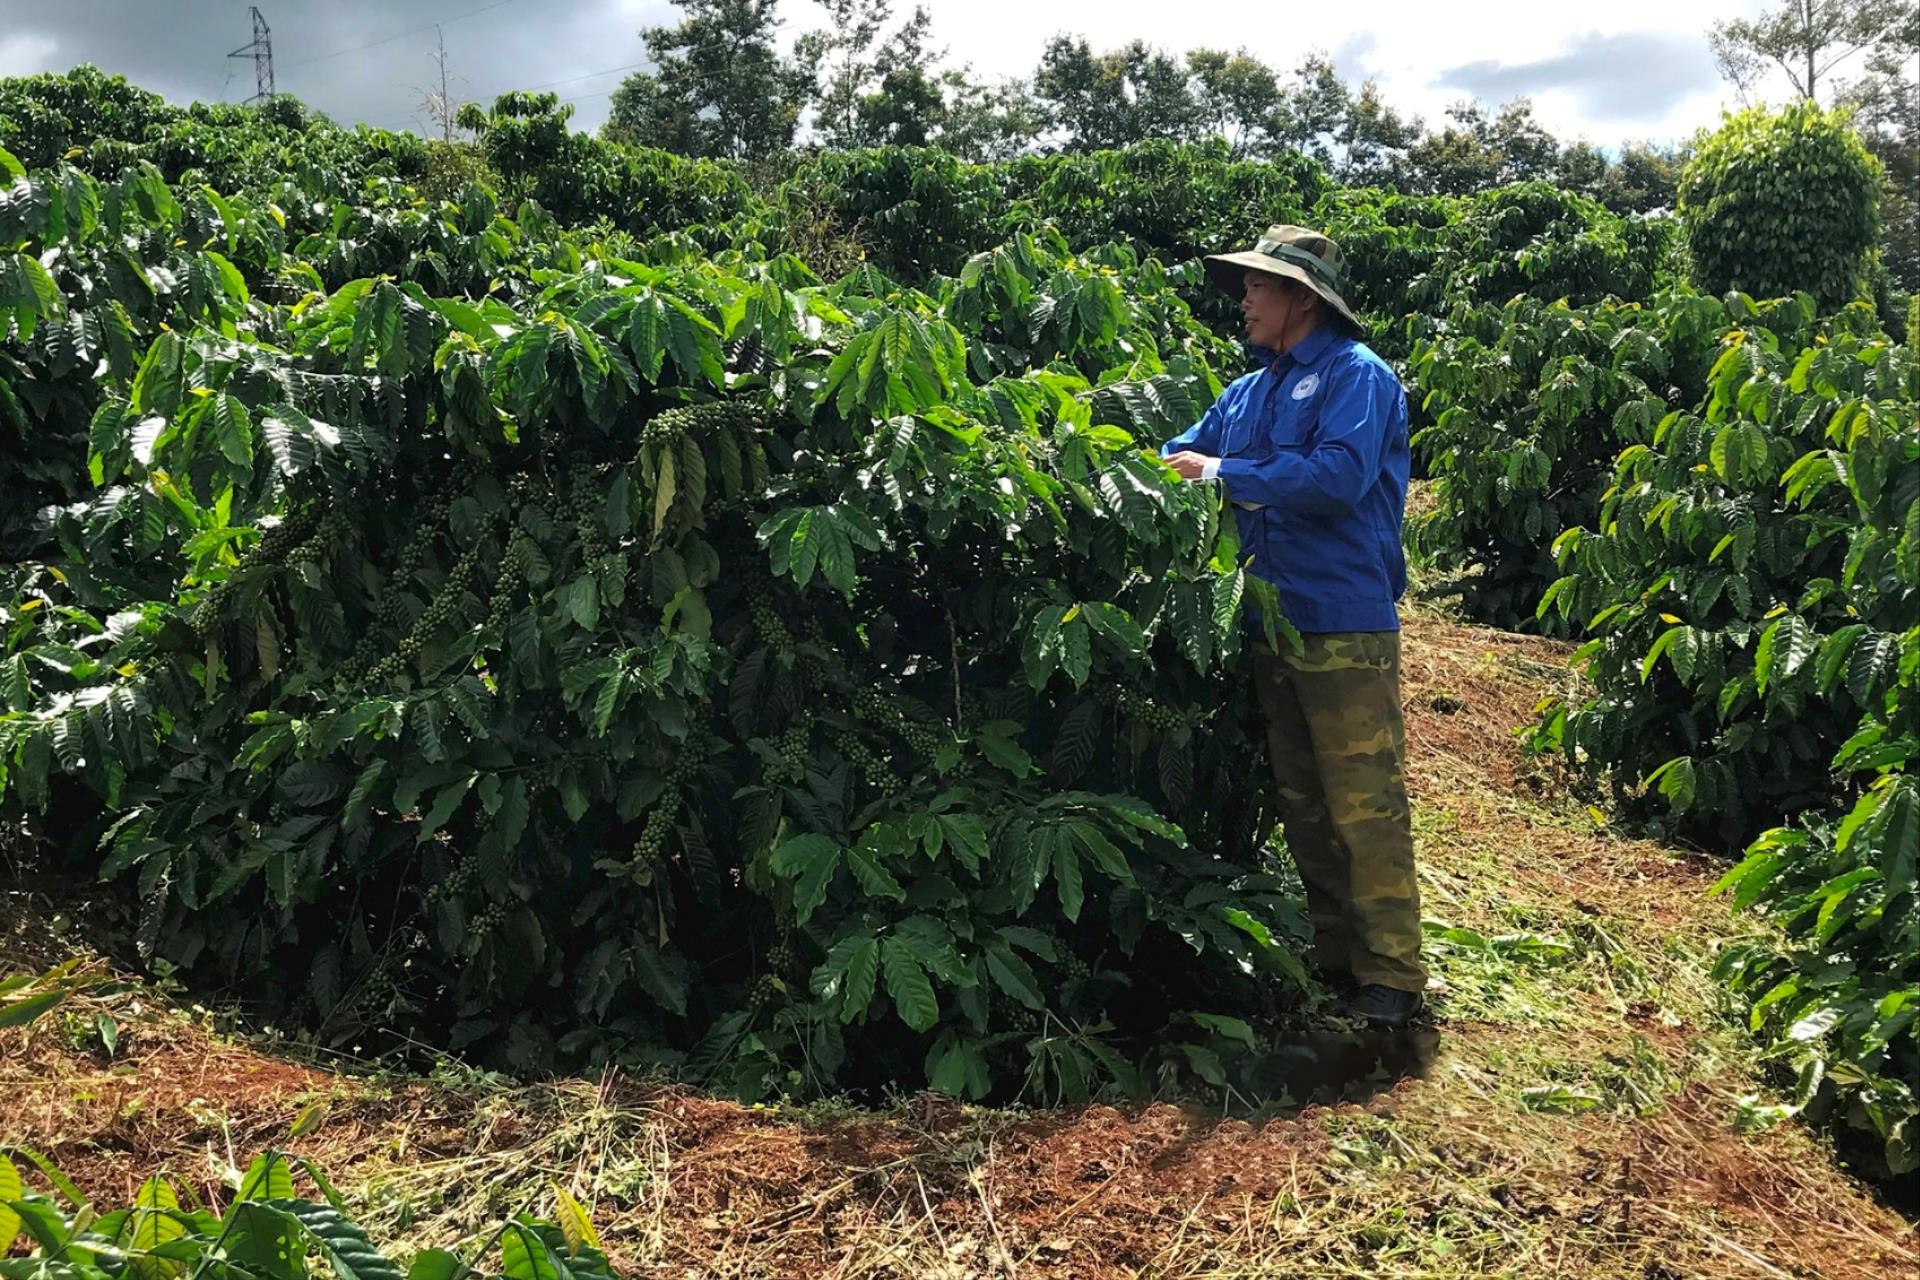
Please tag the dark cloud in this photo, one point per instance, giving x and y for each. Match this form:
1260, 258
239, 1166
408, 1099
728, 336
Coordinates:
1627, 77
179, 48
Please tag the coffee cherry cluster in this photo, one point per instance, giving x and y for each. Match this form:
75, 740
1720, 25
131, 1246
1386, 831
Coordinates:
767, 623
705, 419
1074, 969
586, 496
444, 609
791, 747
459, 877
766, 989
328, 534
376, 992
1138, 706
876, 771
875, 708
653, 836
665, 428
659, 825
513, 572
414, 554
482, 925
781, 957
275, 545
1010, 1013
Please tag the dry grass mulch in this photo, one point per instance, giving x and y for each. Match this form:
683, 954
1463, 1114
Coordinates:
1577, 1117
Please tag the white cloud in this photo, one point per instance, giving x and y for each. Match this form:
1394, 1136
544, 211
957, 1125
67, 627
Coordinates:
1404, 44
26, 53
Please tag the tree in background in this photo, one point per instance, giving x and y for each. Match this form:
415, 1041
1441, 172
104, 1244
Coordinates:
1236, 97
1646, 177
1476, 152
1776, 203
1377, 140
985, 122
1098, 101
1886, 109
872, 90
720, 87
1356, 137
1314, 110
1810, 40
905, 112
523, 135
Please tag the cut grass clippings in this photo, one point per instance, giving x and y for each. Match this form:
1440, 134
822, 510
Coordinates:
1589, 1110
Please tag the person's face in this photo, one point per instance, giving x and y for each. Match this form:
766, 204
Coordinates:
1269, 308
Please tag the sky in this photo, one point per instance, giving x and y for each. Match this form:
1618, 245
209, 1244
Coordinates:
1634, 69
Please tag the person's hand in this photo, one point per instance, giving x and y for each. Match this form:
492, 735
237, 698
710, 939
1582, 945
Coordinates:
1191, 466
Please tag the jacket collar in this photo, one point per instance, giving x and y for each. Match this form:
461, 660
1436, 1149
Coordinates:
1307, 351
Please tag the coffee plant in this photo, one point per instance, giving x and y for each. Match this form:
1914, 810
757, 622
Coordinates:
1530, 404
266, 1231
647, 658
1750, 581
1752, 586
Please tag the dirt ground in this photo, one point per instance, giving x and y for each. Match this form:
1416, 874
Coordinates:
1583, 1109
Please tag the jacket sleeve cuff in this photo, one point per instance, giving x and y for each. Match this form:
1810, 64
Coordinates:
1210, 471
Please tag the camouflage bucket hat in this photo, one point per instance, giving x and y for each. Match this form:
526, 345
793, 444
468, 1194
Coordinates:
1295, 253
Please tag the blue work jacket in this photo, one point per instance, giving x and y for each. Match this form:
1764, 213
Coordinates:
1314, 456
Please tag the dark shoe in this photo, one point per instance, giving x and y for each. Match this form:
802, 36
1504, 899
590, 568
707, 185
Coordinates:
1385, 1008
1340, 982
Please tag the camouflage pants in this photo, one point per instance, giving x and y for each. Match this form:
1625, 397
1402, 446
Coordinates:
1338, 750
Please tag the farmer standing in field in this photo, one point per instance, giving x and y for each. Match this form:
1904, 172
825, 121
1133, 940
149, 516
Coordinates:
1312, 451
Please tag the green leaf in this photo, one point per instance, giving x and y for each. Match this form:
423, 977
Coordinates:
444, 806
25, 1010
863, 971
11, 1188
1102, 850
437, 1264
907, 985
525, 1256
156, 1215
810, 861
1871, 665
345, 1246
1066, 877
1014, 975
666, 486
264, 1242
267, 1178
581, 599
876, 880
1231, 1028
159, 385
232, 429
1117, 625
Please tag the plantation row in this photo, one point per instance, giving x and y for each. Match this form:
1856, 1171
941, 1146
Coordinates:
447, 654
1721, 498
585, 631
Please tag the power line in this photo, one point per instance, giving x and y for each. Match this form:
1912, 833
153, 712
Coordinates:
631, 66
402, 36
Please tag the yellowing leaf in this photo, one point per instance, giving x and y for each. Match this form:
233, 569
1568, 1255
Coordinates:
576, 1224
310, 1118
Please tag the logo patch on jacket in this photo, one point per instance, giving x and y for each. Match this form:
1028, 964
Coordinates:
1306, 386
